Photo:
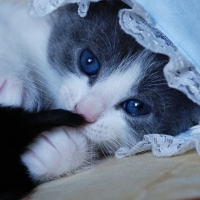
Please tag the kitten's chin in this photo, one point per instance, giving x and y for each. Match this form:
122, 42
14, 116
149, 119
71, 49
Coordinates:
101, 134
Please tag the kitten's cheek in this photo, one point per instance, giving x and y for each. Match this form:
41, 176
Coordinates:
91, 107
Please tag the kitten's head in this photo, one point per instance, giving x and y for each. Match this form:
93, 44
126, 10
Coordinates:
111, 80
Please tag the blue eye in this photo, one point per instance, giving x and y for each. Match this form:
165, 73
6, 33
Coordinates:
89, 63
136, 107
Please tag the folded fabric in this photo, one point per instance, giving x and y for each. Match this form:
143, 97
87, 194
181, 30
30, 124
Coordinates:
180, 22
165, 145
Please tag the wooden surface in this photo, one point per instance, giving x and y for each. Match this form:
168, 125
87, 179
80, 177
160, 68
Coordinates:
141, 177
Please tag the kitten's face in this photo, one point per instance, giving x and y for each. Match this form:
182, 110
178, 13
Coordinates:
107, 77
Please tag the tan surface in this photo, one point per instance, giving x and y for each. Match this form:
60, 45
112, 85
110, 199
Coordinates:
141, 177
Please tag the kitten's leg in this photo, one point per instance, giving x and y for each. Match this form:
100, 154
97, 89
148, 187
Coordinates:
56, 153
18, 127
18, 89
11, 89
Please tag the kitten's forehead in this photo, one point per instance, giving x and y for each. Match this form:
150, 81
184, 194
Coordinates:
118, 84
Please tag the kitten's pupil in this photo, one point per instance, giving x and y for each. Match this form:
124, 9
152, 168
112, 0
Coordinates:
136, 107
89, 63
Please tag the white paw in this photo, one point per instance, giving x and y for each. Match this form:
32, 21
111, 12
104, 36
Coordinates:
11, 89
55, 153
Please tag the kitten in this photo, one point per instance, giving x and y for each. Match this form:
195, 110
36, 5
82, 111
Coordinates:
89, 66
117, 85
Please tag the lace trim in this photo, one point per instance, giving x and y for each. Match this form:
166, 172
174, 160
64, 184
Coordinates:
165, 145
44, 7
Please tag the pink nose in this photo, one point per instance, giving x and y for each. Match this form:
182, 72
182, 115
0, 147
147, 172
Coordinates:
91, 107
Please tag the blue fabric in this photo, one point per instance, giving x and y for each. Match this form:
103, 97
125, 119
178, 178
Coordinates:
179, 20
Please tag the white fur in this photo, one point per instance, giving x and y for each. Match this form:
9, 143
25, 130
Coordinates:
11, 88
